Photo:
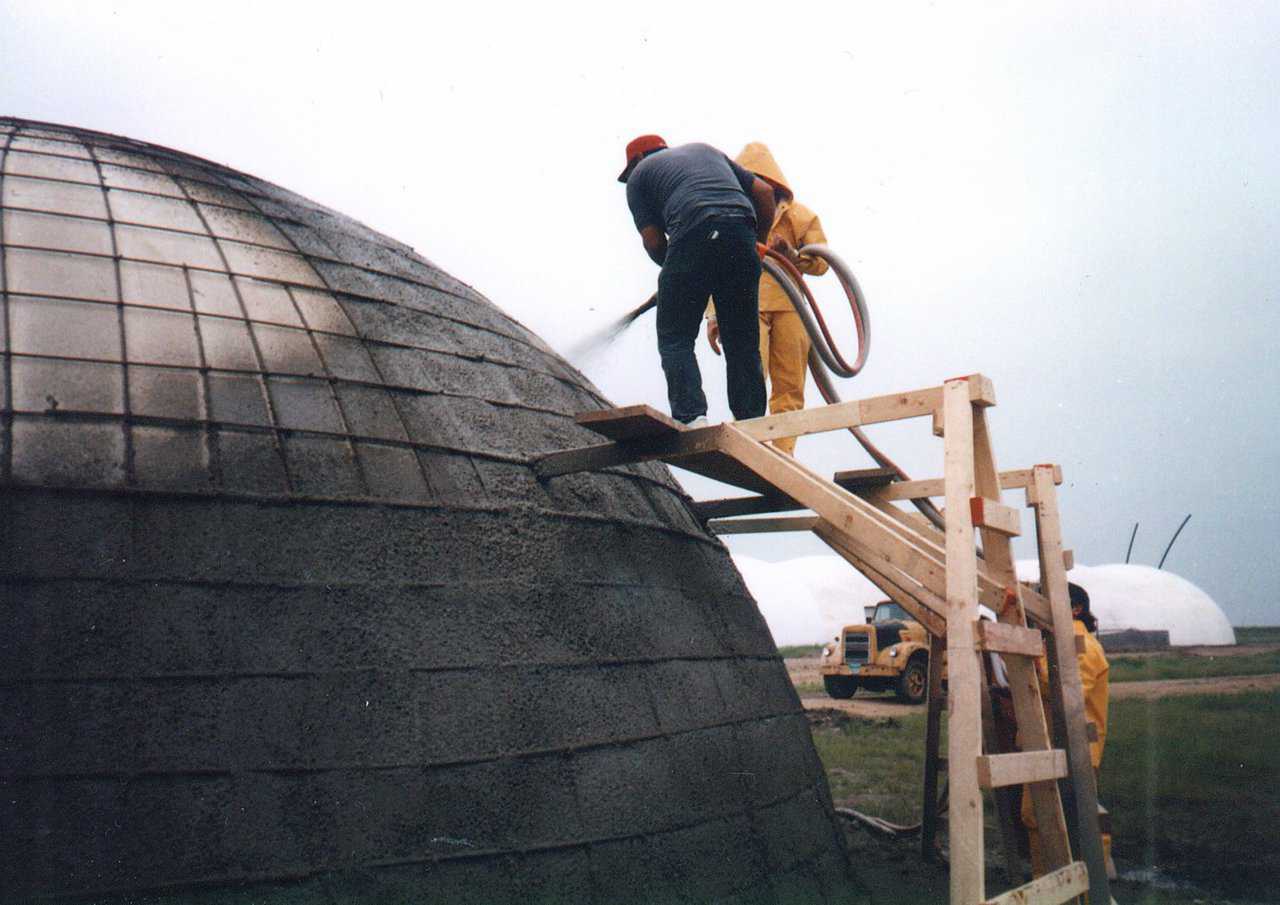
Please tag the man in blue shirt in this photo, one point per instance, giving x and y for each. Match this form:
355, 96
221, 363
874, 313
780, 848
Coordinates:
700, 216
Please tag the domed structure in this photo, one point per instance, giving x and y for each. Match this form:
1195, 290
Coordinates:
1131, 596
284, 604
808, 599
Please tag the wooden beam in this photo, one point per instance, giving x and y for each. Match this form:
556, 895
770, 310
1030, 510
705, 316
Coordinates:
858, 479
748, 505
933, 487
1001, 638
1020, 768
1063, 885
932, 741
1064, 686
1024, 682
604, 455
762, 525
995, 516
964, 671
874, 410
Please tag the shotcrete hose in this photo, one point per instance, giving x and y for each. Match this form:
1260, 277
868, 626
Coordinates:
824, 357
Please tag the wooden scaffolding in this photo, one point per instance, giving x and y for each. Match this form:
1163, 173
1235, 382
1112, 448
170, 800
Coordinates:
940, 577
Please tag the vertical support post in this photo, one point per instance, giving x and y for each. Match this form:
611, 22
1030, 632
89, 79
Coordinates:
1067, 693
932, 733
964, 726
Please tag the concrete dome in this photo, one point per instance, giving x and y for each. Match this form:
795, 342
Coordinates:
1123, 595
284, 603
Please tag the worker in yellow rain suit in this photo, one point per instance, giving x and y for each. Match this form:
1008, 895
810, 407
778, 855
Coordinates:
1095, 682
784, 345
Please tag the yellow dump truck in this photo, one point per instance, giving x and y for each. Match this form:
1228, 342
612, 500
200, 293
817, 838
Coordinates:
890, 651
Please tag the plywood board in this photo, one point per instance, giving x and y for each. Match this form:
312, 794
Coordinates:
631, 422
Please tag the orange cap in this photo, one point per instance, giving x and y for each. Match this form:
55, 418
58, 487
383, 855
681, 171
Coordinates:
637, 148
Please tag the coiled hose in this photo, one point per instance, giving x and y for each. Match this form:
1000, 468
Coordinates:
824, 357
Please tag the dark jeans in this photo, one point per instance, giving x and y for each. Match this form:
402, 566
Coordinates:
717, 260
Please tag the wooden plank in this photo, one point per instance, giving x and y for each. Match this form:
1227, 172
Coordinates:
995, 516
748, 505
1068, 560
933, 487
1064, 683
864, 478
855, 413
1063, 885
1020, 768
1000, 638
932, 742
964, 672
762, 525
631, 422
1024, 683
604, 455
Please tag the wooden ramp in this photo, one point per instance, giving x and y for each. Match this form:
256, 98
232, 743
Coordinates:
940, 577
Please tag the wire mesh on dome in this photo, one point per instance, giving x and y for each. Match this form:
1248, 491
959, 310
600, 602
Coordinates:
283, 598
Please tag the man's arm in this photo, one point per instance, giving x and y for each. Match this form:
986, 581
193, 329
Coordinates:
655, 243
762, 200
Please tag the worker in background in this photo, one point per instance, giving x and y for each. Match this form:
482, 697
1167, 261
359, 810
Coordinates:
1095, 682
700, 215
784, 344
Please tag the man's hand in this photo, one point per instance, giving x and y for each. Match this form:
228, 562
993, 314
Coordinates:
713, 335
783, 247
655, 243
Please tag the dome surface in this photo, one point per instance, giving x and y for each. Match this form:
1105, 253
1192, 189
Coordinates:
283, 601
1128, 595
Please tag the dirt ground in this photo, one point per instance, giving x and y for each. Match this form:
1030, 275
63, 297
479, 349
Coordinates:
892, 871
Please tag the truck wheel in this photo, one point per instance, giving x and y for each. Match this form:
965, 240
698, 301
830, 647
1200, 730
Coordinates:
841, 687
913, 684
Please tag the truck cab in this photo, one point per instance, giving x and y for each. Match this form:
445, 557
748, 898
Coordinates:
889, 651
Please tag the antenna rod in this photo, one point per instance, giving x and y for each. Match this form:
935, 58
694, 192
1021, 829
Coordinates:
1131, 537
1175, 537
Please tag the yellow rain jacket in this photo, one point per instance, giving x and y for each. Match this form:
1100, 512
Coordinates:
1095, 679
792, 221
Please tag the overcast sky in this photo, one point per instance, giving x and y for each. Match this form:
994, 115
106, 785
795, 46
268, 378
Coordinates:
1079, 200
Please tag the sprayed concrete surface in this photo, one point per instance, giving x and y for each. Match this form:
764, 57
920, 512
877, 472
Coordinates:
283, 600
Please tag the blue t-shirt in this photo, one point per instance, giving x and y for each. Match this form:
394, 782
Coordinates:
678, 188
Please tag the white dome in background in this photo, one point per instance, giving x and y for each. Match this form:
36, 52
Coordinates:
1124, 596
807, 600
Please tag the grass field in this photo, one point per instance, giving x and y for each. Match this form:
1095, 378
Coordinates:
1176, 665
1192, 783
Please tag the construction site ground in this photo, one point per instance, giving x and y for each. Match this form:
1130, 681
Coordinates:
858, 737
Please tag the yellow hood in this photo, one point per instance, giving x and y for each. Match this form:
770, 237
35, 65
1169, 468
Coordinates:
756, 158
